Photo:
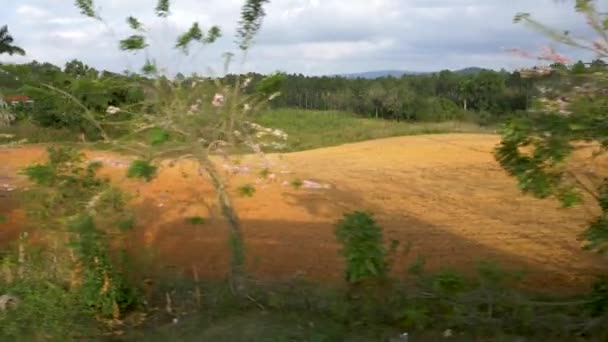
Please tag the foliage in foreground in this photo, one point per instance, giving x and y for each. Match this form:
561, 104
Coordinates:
47, 309
78, 216
570, 120
426, 305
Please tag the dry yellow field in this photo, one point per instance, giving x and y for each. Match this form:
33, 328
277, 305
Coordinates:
443, 194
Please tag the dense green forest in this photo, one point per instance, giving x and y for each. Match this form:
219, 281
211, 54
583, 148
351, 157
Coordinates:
484, 97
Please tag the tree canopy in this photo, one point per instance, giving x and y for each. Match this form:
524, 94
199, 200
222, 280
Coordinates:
6, 43
569, 120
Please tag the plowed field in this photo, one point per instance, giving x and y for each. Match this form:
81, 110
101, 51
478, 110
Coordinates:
443, 194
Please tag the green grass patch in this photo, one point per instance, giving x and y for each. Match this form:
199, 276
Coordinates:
315, 129
246, 190
36, 134
307, 129
142, 169
297, 183
196, 220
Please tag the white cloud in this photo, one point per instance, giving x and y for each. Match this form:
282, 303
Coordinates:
67, 21
309, 36
32, 12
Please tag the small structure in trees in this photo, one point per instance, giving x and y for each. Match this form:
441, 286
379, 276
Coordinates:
18, 99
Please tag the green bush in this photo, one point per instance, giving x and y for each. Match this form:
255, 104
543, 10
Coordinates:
297, 183
246, 190
362, 247
196, 220
142, 169
69, 200
46, 312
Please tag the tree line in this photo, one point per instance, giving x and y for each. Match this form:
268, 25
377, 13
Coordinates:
482, 96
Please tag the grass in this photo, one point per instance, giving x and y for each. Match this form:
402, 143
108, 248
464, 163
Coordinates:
196, 220
482, 308
307, 129
36, 134
315, 129
246, 190
297, 183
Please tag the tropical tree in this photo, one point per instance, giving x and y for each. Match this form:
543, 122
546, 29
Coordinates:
466, 90
6, 43
6, 47
78, 69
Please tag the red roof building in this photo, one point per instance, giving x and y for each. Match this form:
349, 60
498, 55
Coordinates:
17, 99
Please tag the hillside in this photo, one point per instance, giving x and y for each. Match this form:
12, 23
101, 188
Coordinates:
399, 73
443, 194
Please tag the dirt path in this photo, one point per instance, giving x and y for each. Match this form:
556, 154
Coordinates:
444, 194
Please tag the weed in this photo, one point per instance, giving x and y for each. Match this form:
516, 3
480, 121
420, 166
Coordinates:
142, 169
246, 190
415, 317
265, 173
103, 287
449, 282
196, 220
47, 311
71, 201
599, 295
127, 224
297, 183
417, 268
158, 136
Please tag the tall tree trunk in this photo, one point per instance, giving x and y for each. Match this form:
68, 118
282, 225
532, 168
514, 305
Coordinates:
465, 105
376, 112
237, 245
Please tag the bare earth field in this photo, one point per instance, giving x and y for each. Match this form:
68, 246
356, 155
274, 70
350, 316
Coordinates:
444, 194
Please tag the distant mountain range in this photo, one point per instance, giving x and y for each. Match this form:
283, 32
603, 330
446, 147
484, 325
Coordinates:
399, 73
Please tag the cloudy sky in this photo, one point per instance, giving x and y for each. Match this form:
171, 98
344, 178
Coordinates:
312, 37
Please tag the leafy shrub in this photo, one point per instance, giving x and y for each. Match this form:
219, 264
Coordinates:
297, 183
264, 173
70, 200
196, 220
599, 295
46, 311
449, 282
246, 190
362, 247
103, 288
158, 136
142, 169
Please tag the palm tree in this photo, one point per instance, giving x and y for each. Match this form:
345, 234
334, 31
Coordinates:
6, 41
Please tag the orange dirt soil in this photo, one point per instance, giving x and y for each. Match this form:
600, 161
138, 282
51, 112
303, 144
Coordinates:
444, 194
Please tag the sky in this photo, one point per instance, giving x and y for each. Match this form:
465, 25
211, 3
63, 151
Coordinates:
312, 37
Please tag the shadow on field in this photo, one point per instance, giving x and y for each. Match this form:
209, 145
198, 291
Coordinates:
282, 249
